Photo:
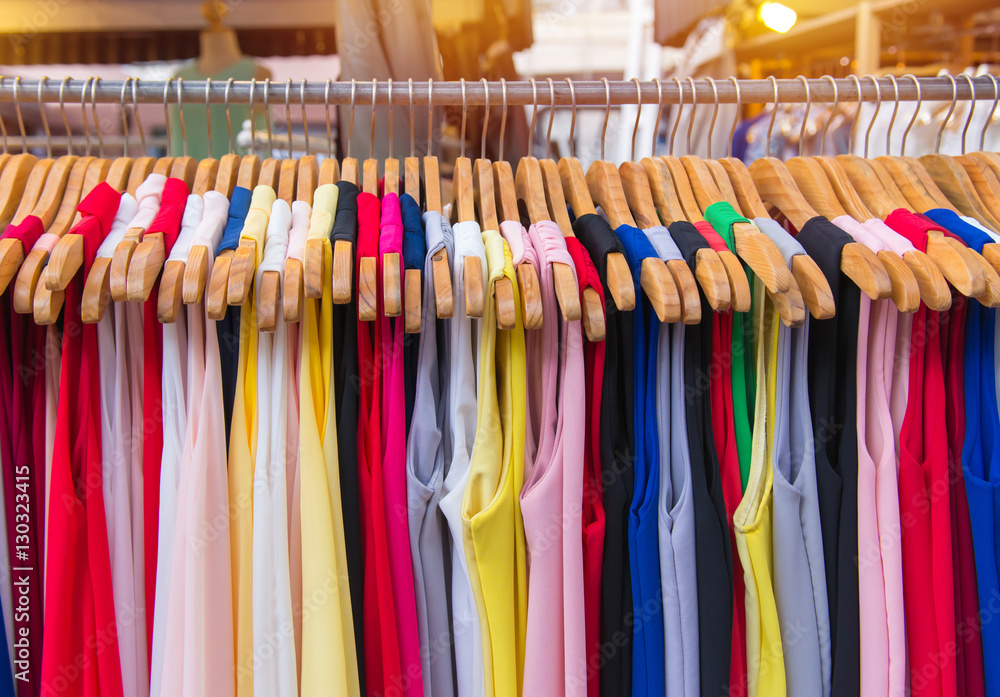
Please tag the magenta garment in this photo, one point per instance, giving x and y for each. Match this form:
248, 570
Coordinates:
552, 497
394, 463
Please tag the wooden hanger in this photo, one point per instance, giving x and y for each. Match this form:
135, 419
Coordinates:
739, 285
11, 250
244, 263
13, 181
226, 175
527, 278
292, 292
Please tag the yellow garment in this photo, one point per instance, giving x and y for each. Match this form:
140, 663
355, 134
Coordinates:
753, 520
492, 529
329, 656
243, 452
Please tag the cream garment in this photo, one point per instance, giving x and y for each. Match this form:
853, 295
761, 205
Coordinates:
301, 212
329, 655
173, 387
462, 384
275, 672
199, 648
122, 458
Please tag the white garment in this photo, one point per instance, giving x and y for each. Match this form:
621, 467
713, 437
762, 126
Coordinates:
462, 412
275, 670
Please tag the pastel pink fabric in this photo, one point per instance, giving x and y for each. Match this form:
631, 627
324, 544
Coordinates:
551, 499
394, 462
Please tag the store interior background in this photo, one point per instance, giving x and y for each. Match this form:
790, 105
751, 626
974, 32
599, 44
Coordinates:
319, 40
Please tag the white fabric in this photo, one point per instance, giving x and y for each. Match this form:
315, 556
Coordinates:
301, 212
193, 210
213, 222
663, 243
976, 224
148, 195
462, 411
127, 208
275, 671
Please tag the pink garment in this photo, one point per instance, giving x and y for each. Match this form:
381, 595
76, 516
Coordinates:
552, 496
394, 462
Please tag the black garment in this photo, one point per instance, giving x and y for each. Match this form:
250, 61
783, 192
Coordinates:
347, 395
713, 550
833, 348
616, 464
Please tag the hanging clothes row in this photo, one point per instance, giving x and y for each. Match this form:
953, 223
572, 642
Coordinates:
672, 427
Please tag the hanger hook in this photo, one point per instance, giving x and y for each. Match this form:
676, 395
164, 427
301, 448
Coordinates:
694, 110
166, 112
97, 121
503, 117
180, 113
857, 114
389, 89
534, 115
350, 128
20, 119
607, 112
83, 112
895, 109
430, 114
208, 113
951, 110
552, 117
45, 117
572, 118
305, 120
410, 86
916, 112
805, 116
833, 109
736, 118
253, 122
267, 116
486, 117
229, 118
774, 114
659, 116
989, 119
464, 108
638, 114
878, 108
972, 107
371, 136
288, 113
329, 132
715, 113
680, 110
135, 112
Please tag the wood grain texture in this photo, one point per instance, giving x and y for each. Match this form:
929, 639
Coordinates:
711, 276
746, 193
444, 300
32, 189
27, 281
369, 176
844, 189
168, 299
990, 296
411, 177
204, 176
308, 176
47, 304
367, 289
97, 172
464, 201
706, 191
504, 191
905, 291
776, 186
686, 290
96, 291
249, 171
241, 273
661, 187
291, 294
484, 195
638, 194
620, 283
118, 175
575, 187
218, 285
530, 295
473, 278
606, 189
985, 182
121, 258
144, 269
725, 186
594, 321
184, 168
876, 198
225, 176
934, 290
966, 279
312, 261
390, 180
682, 185
554, 197
910, 186
195, 275
11, 256
162, 166
506, 307
755, 249
287, 172
861, 265
13, 181
432, 183
342, 272
413, 301
790, 306
70, 197
269, 173
142, 167
956, 185
813, 286
739, 286
392, 295
349, 171
269, 301
661, 290
65, 260
329, 171
816, 187
567, 291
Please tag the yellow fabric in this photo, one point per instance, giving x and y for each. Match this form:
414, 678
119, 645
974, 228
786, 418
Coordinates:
753, 520
242, 453
324, 208
493, 532
329, 656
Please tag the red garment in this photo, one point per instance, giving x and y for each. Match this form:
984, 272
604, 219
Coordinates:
924, 507
168, 222
724, 432
80, 645
593, 490
22, 429
382, 663
969, 649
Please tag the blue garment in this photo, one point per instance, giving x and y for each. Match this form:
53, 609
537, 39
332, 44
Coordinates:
981, 450
414, 246
648, 677
239, 206
6, 667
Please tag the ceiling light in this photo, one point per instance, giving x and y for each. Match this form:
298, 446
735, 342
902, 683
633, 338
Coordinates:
776, 17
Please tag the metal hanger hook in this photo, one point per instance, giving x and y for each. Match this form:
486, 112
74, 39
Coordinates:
305, 120
736, 118
833, 110
486, 117
534, 116
951, 110
878, 108
552, 117
989, 119
45, 117
677, 119
166, 113
229, 118
329, 132
774, 114
659, 116
97, 121
464, 114
288, 113
267, 116
20, 119
857, 115
503, 116
916, 113
607, 112
389, 88
638, 114
83, 111
410, 87
972, 107
253, 122
350, 127
135, 112
430, 114
694, 110
805, 116
371, 136
572, 118
208, 114
180, 114
895, 110
715, 113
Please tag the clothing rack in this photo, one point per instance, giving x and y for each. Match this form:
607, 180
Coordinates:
559, 92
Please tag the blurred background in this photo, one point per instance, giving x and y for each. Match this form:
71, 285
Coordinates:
451, 39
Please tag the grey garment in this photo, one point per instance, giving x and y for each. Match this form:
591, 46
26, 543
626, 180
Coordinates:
425, 470
799, 570
787, 244
678, 575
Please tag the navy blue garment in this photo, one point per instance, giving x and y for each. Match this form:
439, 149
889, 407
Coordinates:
228, 327
6, 668
648, 679
980, 452
414, 251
